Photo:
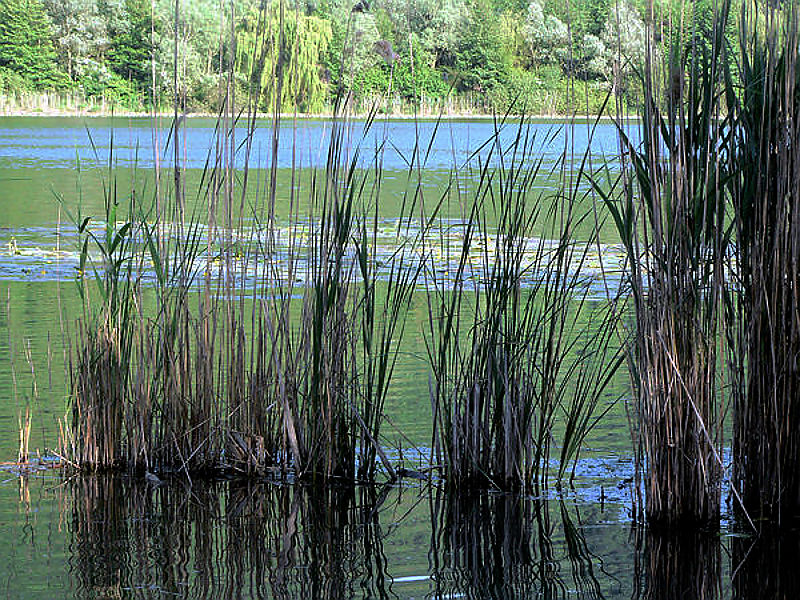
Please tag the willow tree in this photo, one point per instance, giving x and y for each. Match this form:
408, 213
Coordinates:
274, 43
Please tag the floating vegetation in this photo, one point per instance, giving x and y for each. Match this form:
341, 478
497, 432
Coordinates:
290, 249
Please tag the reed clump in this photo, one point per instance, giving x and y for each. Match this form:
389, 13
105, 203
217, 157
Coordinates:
504, 342
764, 95
216, 339
670, 215
101, 361
235, 344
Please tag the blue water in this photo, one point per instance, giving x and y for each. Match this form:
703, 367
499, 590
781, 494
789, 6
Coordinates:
63, 142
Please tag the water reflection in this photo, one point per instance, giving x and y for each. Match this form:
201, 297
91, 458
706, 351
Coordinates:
98, 537
507, 546
767, 567
236, 540
678, 565
225, 541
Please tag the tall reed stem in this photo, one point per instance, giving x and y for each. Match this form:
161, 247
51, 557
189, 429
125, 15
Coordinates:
671, 220
764, 95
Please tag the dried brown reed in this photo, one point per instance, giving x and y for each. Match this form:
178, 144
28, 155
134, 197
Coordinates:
764, 94
671, 218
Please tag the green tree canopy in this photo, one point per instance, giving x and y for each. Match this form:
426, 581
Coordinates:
26, 46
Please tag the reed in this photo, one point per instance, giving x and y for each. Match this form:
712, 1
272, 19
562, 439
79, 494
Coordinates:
670, 215
339, 363
214, 338
100, 366
505, 344
765, 100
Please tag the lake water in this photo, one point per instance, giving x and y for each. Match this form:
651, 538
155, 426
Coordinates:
122, 538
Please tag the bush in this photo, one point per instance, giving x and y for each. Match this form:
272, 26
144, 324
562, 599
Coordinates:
409, 83
98, 81
546, 91
11, 82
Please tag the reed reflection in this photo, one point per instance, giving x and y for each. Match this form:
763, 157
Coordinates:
767, 567
508, 546
226, 540
680, 565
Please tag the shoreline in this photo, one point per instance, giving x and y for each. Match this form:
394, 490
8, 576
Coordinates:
54, 114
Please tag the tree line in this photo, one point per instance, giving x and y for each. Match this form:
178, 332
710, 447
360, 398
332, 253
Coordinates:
484, 54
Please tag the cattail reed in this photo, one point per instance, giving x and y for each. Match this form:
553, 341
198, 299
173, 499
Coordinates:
671, 220
504, 337
765, 189
215, 339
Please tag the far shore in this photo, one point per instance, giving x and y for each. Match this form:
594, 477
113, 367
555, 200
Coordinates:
427, 116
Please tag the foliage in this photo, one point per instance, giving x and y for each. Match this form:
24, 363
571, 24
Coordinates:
433, 27
25, 44
545, 91
547, 36
410, 82
132, 49
293, 45
625, 34
481, 62
79, 31
124, 49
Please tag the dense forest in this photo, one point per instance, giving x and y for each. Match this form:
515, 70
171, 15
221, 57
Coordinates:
544, 56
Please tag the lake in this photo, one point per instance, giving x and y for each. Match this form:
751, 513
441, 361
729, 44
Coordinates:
120, 537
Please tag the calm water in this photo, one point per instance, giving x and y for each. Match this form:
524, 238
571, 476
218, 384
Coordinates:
116, 538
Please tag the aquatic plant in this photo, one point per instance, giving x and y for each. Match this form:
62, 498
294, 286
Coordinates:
670, 214
506, 342
223, 342
764, 97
